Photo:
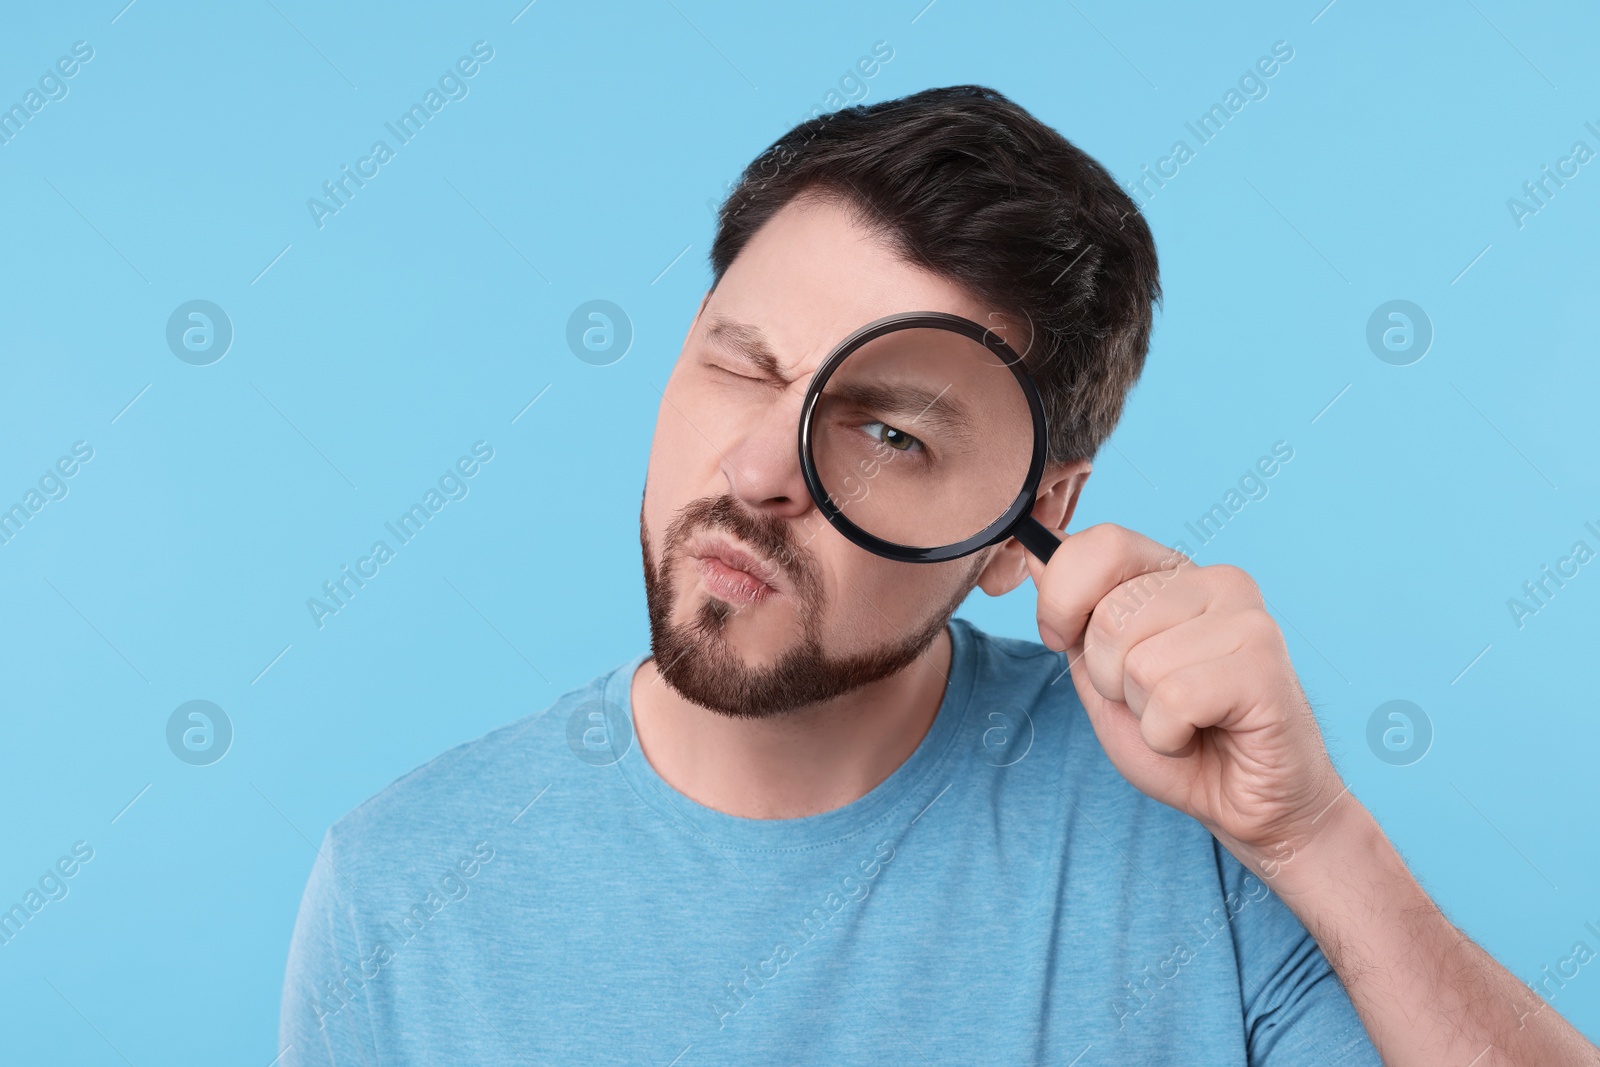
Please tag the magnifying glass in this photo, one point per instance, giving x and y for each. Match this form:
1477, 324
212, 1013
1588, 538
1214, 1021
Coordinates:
922, 439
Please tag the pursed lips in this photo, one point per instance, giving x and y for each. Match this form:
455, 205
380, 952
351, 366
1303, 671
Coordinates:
760, 580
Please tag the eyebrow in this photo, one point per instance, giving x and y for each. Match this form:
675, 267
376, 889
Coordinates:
747, 341
915, 404
918, 405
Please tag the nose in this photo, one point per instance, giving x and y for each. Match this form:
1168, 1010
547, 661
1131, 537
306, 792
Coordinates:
762, 465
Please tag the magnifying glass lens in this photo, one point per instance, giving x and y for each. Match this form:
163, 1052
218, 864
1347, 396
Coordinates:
922, 437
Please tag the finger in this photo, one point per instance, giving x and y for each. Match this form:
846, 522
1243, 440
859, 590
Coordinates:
1208, 636
1118, 732
1159, 600
1086, 567
1132, 613
1216, 693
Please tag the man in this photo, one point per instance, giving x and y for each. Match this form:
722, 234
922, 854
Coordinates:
824, 823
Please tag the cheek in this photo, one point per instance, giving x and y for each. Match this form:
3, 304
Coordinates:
701, 419
682, 463
874, 601
681, 431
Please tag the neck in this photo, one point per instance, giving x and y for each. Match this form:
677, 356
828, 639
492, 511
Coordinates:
812, 760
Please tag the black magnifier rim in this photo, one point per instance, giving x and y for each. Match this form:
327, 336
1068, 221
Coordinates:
996, 531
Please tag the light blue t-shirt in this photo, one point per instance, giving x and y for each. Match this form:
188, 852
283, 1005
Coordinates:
1004, 897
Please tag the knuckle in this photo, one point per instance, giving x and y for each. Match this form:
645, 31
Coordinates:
1234, 579
1142, 667
1107, 536
1171, 693
1260, 628
1104, 630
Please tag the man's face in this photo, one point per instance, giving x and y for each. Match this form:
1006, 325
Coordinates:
757, 605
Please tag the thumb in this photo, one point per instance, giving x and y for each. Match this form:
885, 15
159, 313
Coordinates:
1035, 565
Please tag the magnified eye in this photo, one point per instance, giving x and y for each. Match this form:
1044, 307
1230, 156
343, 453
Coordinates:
898, 440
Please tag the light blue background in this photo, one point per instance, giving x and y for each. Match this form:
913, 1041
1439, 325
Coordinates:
429, 312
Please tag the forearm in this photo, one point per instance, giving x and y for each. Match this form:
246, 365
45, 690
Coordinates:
1426, 993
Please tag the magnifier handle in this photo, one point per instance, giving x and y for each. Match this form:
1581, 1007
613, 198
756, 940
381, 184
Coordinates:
1037, 538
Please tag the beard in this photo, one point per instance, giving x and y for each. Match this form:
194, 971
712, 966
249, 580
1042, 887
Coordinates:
695, 657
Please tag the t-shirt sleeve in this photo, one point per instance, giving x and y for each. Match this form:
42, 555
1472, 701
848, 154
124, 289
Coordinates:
324, 1018
1296, 1011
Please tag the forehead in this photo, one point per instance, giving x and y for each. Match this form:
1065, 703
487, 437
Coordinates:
813, 274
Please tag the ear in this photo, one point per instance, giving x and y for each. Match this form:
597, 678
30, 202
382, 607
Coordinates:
1053, 507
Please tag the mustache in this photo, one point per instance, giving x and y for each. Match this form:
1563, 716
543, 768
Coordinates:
770, 537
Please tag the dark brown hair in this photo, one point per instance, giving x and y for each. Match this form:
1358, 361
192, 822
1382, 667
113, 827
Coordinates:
967, 184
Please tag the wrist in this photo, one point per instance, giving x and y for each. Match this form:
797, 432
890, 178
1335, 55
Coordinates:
1335, 845
1341, 856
